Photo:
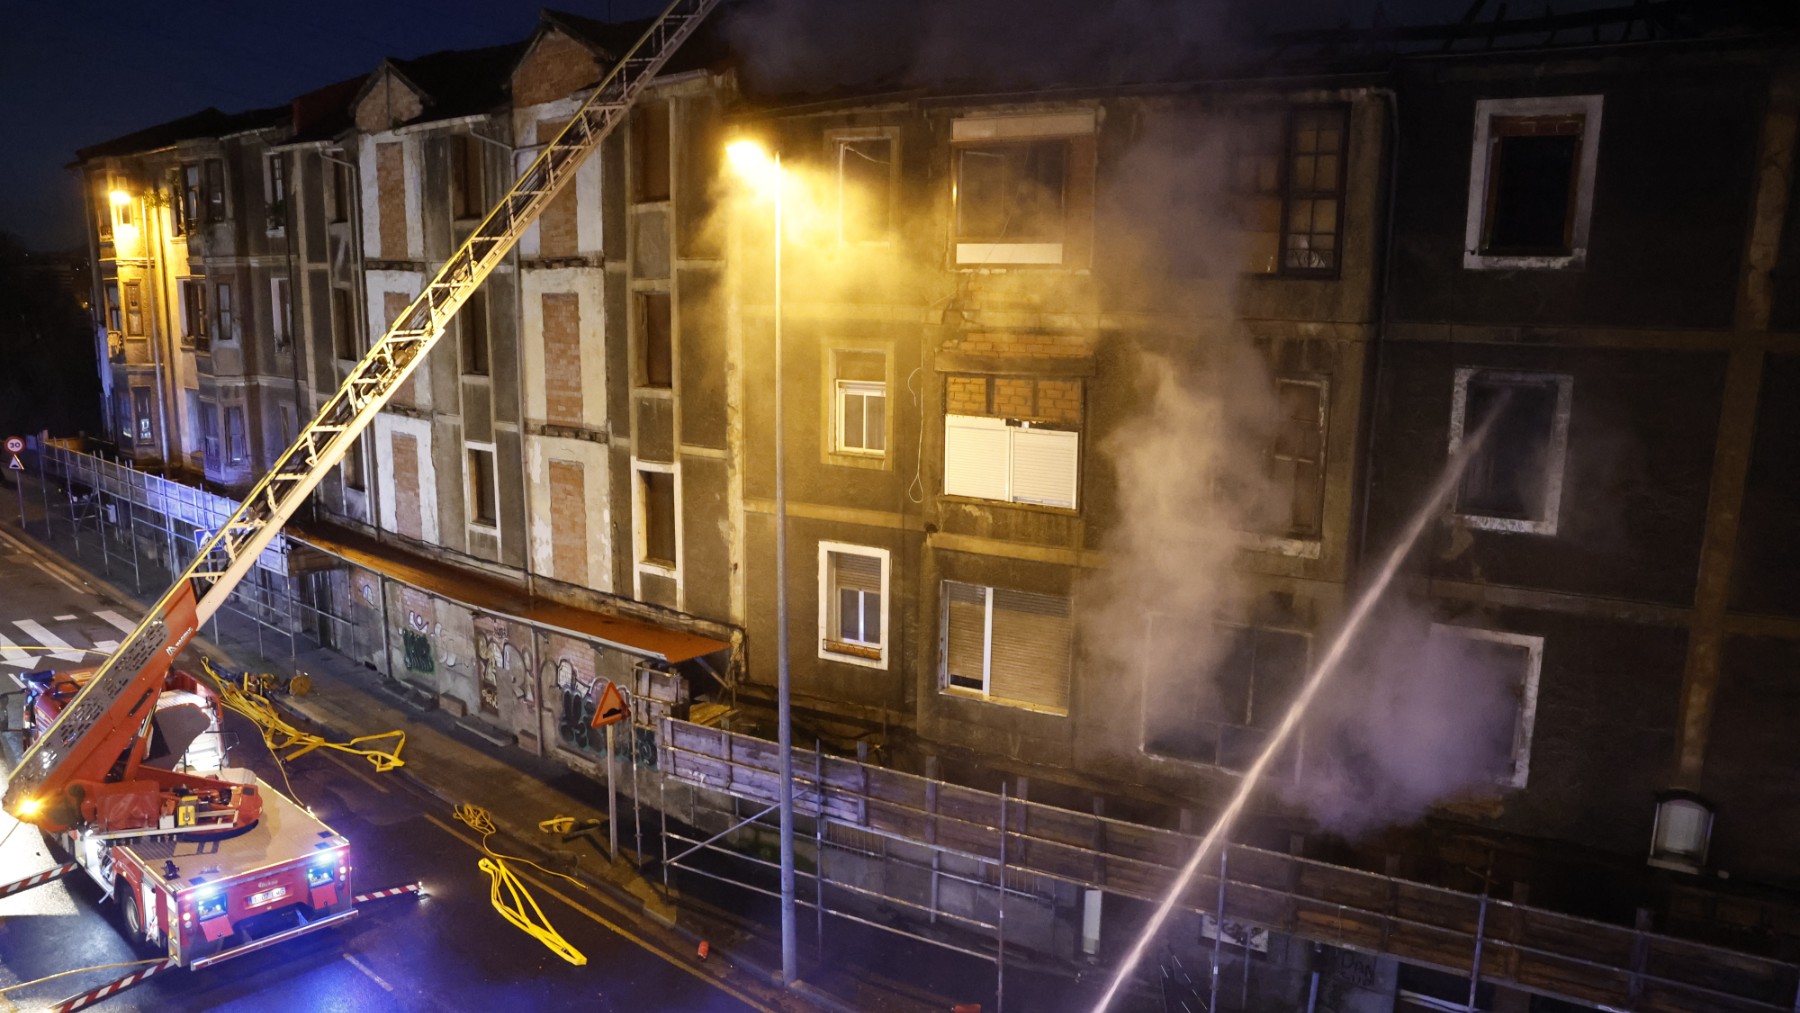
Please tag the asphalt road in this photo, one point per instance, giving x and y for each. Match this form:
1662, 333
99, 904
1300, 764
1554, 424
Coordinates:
448, 951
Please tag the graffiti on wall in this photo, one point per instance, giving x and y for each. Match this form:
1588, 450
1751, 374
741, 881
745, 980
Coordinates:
420, 625
502, 665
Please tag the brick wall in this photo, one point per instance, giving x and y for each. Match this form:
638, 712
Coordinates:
386, 105
392, 305
568, 522
390, 197
557, 66
1014, 397
562, 358
407, 510
556, 227
1059, 401
965, 395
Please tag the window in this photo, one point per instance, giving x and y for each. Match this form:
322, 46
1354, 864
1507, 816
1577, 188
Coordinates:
125, 209
1510, 662
1011, 195
215, 190
1288, 169
859, 403
192, 196
1423, 989
343, 326
191, 398
1009, 647
1531, 182
209, 434
177, 216
656, 494
222, 298
1514, 482
1297, 460
655, 347
134, 309
140, 403
865, 178
853, 590
237, 446
281, 313
193, 314
104, 210
275, 191
468, 194
650, 151
352, 466
113, 322
1224, 716
482, 493
473, 321
1013, 439
337, 189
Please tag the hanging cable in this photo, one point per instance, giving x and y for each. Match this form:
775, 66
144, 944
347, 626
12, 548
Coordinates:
915, 490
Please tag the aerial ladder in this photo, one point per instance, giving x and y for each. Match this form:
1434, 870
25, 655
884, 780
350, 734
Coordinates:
84, 769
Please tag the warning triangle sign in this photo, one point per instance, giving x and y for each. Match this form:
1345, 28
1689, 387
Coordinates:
611, 709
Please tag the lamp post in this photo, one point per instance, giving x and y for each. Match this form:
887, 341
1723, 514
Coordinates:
763, 169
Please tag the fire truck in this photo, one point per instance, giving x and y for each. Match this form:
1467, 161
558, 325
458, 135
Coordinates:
122, 767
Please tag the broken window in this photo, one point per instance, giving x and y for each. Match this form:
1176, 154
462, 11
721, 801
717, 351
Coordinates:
656, 496
113, 322
656, 366
1506, 667
275, 190
192, 196
1531, 185
473, 321
468, 177
1008, 647
865, 168
1011, 193
1514, 480
352, 467
650, 151
343, 325
852, 588
1297, 459
338, 193
1223, 715
193, 314
483, 508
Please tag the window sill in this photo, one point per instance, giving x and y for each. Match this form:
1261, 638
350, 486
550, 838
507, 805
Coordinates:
853, 459
1512, 525
980, 697
853, 654
1014, 504
485, 527
1283, 545
660, 567
1573, 260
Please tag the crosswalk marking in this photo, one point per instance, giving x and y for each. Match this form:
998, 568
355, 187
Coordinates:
108, 646
12, 655
64, 619
117, 621
45, 638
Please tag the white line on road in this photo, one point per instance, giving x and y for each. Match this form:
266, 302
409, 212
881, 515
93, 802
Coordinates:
47, 639
108, 646
64, 619
12, 655
364, 968
118, 621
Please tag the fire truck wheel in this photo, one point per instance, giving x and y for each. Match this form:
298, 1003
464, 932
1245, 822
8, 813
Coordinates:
134, 919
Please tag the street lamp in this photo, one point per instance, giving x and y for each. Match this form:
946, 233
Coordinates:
762, 171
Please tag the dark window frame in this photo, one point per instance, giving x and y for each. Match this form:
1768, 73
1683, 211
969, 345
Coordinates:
1286, 192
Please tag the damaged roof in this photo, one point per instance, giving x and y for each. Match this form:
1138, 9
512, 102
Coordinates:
454, 82
206, 123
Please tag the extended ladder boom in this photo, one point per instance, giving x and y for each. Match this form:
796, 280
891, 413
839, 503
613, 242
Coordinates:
98, 724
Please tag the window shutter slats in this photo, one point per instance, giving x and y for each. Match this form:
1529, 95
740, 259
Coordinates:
975, 456
857, 572
1030, 662
1045, 466
965, 623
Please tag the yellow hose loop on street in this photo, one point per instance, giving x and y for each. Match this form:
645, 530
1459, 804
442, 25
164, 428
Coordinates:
278, 735
508, 894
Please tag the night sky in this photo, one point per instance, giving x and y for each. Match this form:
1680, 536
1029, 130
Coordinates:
76, 72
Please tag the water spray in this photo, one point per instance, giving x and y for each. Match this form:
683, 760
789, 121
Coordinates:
1328, 665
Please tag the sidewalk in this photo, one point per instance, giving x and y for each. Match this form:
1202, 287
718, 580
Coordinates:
454, 764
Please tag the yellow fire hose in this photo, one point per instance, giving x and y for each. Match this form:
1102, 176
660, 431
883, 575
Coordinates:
508, 893
278, 735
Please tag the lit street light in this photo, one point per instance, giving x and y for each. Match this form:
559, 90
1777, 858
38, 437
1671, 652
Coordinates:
763, 172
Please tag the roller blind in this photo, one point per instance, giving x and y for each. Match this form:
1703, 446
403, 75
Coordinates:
1029, 655
1045, 466
976, 452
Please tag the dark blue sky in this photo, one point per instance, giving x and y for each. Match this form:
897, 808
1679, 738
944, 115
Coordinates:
74, 72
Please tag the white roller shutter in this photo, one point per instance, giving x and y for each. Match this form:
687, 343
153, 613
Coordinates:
1045, 467
975, 457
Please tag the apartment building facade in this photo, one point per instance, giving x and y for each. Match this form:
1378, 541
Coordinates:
1100, 407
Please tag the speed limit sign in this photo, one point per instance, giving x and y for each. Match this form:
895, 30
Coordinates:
14, 445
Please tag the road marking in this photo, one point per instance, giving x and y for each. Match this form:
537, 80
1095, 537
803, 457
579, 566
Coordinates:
12, 655
65, 619
14, 676
629, 936
44, 637
350, 769
364, 968
108, 646
118, 621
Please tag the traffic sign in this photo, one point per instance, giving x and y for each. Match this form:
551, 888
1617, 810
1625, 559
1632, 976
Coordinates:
14, 445
14, 464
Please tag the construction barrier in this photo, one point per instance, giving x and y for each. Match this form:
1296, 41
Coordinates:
418, 888
38, 879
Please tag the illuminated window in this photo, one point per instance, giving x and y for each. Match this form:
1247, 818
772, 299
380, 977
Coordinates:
859, 403
853, 583
865, 188
134, 309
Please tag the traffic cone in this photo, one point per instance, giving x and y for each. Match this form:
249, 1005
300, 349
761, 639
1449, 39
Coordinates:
705, 948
